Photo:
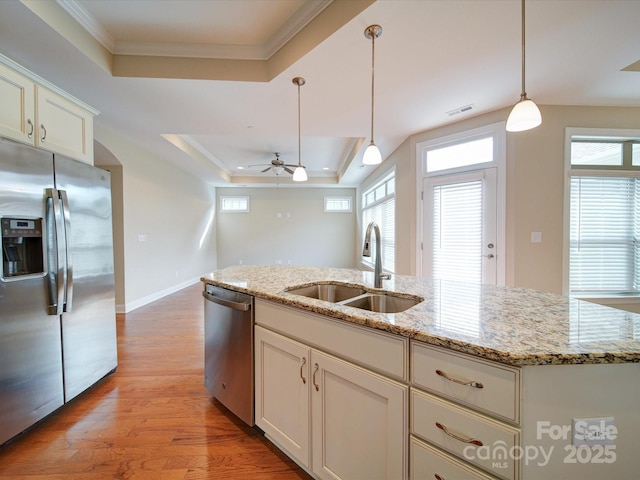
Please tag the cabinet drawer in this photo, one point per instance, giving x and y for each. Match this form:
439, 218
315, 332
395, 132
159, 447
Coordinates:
429, 463
500, 392
378, 351
495, 439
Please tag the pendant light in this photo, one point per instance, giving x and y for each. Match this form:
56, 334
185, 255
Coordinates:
372, 154
299, 174
525, 114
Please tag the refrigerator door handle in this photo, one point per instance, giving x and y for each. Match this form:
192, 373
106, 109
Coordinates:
56, 279
69, 264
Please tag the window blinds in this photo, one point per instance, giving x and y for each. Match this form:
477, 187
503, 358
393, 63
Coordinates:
604, 228
457, 231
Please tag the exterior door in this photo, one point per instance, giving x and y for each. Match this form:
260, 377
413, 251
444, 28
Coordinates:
460, 240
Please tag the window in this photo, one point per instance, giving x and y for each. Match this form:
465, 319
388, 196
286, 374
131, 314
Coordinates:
461, 155
337, 204
379, 206
234, 204
604, 216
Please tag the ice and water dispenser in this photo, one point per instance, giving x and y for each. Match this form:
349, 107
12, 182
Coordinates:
22, 247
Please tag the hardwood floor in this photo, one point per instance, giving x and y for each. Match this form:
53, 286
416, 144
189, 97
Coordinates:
152, 418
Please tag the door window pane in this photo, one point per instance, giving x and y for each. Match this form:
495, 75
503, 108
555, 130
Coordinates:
457, 231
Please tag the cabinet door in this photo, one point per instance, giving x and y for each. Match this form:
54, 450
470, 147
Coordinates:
359, 422
282, 392
64, 127
17, 106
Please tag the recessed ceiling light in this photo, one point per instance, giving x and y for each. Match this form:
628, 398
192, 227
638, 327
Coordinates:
240, 168
325, 168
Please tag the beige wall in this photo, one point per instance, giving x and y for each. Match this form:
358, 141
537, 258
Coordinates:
174, 210
534, 189
301, 235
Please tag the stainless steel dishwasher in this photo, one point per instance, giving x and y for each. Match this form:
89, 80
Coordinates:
228, 354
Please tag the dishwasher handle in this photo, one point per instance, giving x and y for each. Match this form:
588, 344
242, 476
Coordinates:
243, 307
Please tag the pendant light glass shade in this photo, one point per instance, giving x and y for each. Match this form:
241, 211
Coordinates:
525, 114
372, 155
299, 174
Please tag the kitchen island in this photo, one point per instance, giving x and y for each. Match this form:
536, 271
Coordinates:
478, 381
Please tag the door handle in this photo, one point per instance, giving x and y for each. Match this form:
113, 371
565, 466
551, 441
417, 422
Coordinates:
57, 279
66, 216
489, 255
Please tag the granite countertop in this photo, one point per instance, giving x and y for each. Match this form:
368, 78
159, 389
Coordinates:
515, 326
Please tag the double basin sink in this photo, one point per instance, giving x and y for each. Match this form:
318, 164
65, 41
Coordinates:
356, 296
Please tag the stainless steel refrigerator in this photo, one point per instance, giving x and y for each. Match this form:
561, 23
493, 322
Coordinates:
57, 301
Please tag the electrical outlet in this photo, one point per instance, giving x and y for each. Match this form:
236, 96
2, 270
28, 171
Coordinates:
594, 431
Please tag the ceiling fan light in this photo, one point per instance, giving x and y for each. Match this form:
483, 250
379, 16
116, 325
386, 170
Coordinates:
372, 155
276, 169
524, 116
299, 174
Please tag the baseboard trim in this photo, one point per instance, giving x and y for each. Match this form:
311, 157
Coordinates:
128, 307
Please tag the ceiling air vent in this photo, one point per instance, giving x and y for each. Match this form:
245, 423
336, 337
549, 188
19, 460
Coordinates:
457, 111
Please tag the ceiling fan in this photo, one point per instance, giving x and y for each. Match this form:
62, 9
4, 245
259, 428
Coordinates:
276, 165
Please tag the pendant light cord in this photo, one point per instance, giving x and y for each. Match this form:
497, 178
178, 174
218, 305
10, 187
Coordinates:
373, 72
524, 92
299, 161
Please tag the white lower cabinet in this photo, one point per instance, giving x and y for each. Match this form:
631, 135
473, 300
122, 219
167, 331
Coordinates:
336, 419
282, 392
358, 422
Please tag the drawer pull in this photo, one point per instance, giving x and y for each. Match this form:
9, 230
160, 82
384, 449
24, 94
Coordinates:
471, 383
439, 477
473, 441
304, 362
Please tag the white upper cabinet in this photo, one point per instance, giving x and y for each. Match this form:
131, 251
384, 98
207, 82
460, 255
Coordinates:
17, 106
36, 113
63, 127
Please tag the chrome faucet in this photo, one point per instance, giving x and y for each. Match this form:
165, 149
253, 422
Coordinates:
366, 252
